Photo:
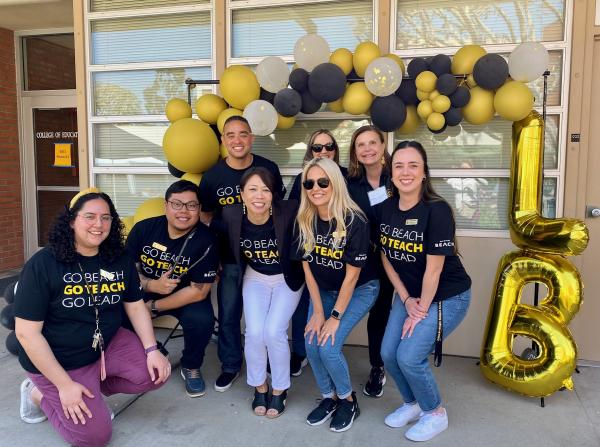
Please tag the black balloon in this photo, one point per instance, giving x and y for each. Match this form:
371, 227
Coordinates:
174, 171
353, 77
446, 84
417, 66
388, 113
299, 79
287, 102
460, 97
440, 64
215, 129
490, 71
408, 92
7, 317
266, 95
12, 344
438, 131
327, 82
453, 116
310, 104
9, 292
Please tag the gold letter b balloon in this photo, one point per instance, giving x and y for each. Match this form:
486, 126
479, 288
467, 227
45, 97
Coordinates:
544, 244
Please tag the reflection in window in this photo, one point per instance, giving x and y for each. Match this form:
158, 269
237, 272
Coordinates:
129, 144
128, 191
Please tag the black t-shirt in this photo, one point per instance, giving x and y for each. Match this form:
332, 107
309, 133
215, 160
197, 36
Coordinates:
220, 185
297, 186
57, 294
328, 262
407, 237
258, 244
150, 244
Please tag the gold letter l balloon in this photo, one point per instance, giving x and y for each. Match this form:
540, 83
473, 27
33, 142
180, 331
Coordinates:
543, 243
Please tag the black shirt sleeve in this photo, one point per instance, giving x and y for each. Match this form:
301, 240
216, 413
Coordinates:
34, 290
295, 192
206, 270
206, 193
357, 243
440, 230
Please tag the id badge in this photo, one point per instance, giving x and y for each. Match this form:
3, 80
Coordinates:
377, 195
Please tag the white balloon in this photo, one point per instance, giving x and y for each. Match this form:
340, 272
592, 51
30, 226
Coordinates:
383, 76
261, 116
310, 51
272, 74
528, 61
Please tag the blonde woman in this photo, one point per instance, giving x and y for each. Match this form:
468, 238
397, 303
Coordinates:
333, 242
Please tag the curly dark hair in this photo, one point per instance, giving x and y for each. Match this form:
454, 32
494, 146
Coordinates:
61, 238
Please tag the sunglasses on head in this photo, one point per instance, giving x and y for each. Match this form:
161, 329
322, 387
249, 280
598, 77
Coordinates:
329, 147
323, 183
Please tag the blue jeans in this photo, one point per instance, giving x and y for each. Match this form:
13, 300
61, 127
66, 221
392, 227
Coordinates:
229, 300
328, 362
406, 360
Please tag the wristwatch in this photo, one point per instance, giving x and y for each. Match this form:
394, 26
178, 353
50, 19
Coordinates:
153, 308
336, 314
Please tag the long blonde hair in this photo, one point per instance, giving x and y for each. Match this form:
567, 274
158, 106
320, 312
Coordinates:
341, 208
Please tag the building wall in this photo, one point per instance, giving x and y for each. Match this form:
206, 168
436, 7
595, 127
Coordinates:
11, 220
51, 66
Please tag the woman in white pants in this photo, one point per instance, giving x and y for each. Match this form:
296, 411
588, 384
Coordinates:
259, 233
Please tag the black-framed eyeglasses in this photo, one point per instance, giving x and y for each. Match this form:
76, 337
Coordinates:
178, 204
309, 184
329, 147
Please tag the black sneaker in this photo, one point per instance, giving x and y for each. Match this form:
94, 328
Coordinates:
297, 362
225, 380
374, 386
344, 416
323, 412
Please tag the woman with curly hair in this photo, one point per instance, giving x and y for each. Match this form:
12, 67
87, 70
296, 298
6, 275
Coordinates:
68, 309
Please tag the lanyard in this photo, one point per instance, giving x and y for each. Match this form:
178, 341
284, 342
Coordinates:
178, 258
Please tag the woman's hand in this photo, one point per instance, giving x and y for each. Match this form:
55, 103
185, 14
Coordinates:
329, 329
71, 399
409, 327
414, 308
314, 326
156, 361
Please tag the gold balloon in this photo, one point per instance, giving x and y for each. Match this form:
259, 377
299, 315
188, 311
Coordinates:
336, 106
434, 94
223, 151
426, 81
364, 54
225, 115
398, 60
471, 82
465, 58
358, 99
513, 101
342, 57
528, 229
191, 145
128, 223
424, 109
177, 109
194, 178
422, 95
435, 121
239, 86
412, 121
149, 208
480, 108
209, 106
441, 104
285, 122
545, 324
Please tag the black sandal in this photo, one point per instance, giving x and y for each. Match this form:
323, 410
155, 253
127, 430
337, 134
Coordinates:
277, 404
260, 400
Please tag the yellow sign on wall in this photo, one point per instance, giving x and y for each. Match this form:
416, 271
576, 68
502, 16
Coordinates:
62, 155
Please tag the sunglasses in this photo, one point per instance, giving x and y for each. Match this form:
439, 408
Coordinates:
329, 147
309, 184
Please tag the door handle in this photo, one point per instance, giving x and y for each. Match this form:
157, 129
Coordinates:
592, 211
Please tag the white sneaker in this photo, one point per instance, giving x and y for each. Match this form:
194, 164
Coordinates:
406, 414
429, 426
30, 412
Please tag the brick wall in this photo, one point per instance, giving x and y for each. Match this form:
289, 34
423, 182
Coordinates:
11, 221
50, 66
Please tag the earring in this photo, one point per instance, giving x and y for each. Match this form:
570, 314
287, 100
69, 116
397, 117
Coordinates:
424, 178
270, 211
383, 160
244, 209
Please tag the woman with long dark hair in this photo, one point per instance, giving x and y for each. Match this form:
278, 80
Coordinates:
68, 309
432, 289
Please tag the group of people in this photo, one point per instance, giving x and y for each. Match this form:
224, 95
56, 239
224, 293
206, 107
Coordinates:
83, 310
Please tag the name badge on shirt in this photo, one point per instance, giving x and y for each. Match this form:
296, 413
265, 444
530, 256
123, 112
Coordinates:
107, 275
159, 246
377, 195
412, 221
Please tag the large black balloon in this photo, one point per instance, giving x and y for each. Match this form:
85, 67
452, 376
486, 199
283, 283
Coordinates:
288, 102
353, 77
327, 82
440, 64
490, 71
7, 317
446, 84
460, 97
9, 292
299, 79
215, 129
388, 113
174, 171
266, 95
310, 104
439, 130
417, 66
408, 92
12, 344
453, 116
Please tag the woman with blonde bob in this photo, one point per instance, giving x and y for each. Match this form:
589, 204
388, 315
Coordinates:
332, 242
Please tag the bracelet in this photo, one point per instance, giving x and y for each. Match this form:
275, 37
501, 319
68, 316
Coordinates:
149, 349
407, 298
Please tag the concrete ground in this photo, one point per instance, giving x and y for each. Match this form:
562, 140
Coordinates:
481, 414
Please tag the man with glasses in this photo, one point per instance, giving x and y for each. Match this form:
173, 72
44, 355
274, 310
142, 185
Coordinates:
177, 258
219, 188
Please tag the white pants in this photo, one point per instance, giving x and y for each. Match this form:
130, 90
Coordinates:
268, 307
